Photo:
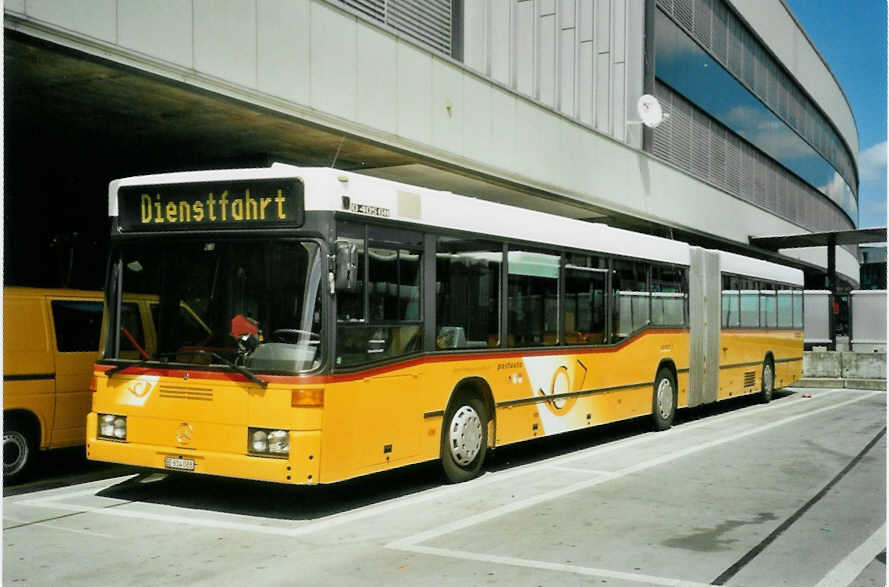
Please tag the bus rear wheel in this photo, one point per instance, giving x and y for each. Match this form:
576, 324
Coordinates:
464, 439
768, 381
663, 402
18, 450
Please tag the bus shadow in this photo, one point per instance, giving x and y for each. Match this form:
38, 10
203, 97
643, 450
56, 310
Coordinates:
288, 502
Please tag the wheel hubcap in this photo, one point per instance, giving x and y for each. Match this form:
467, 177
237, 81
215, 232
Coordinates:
768, 379
465, 435
15, 452
665, 398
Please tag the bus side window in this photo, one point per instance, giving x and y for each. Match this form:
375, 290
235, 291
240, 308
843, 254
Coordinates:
768, 305
668, 296
467, 293
631, 298
383, 317
797, 308
785, 307
584, 303
750, 308
533, 302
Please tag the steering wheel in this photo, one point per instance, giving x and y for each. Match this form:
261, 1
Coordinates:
292, 335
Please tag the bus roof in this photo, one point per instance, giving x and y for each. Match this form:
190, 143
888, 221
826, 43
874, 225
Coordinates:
741, 265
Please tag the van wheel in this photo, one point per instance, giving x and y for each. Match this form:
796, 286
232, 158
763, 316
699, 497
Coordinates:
464, 439
663, 401
768, 381
19, 448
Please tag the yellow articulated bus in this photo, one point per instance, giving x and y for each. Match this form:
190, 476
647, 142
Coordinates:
354, 325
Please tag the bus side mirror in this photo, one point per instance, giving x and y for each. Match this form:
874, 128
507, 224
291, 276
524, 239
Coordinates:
346, 266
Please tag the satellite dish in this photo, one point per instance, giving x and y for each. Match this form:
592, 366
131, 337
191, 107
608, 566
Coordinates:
649, 110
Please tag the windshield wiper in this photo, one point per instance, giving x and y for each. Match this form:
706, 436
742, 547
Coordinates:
141, 363
240, 369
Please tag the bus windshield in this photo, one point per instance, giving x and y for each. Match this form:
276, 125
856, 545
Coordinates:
255, 304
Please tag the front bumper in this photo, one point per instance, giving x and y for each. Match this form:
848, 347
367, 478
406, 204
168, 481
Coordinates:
301, 467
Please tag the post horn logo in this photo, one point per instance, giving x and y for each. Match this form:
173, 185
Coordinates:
561, 387
184, 433
139, 388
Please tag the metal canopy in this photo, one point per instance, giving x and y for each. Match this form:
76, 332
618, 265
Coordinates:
830, 240
820, 239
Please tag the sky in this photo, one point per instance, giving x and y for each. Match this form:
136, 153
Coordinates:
851, 36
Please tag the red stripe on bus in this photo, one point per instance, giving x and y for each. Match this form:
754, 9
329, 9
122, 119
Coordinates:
372, 372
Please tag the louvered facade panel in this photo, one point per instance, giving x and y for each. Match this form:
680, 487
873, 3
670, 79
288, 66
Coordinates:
735, 46
703, 22
718, 159
772, 82
733, 164
772, 187
683, 10
375, 9
662, 137
682, 134
720, 31
700, 144
762, 71
427, 21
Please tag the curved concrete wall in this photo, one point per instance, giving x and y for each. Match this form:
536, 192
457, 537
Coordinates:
776, 26
312, 60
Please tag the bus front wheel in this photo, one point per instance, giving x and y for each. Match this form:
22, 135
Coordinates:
464, 439
663, 403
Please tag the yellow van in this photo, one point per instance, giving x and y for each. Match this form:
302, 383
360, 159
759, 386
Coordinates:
51, 338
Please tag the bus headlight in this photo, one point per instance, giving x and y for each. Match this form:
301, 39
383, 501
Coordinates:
265, 441
259, 441
279, 442
112, 426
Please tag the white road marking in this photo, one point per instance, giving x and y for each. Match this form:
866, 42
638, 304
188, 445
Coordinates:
548, 566
54, 527
562, 491
579, 470
850, 567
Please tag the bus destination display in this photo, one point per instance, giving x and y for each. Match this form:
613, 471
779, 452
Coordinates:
265, 203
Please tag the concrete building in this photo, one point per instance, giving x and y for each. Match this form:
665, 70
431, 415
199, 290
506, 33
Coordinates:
531, 102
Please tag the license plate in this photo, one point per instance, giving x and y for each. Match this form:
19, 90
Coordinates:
179, 464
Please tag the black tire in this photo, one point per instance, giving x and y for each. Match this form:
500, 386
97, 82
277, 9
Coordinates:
464, 438
19, 450
663, 399
768, 381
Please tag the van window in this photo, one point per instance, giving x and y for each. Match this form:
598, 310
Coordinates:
78, 325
